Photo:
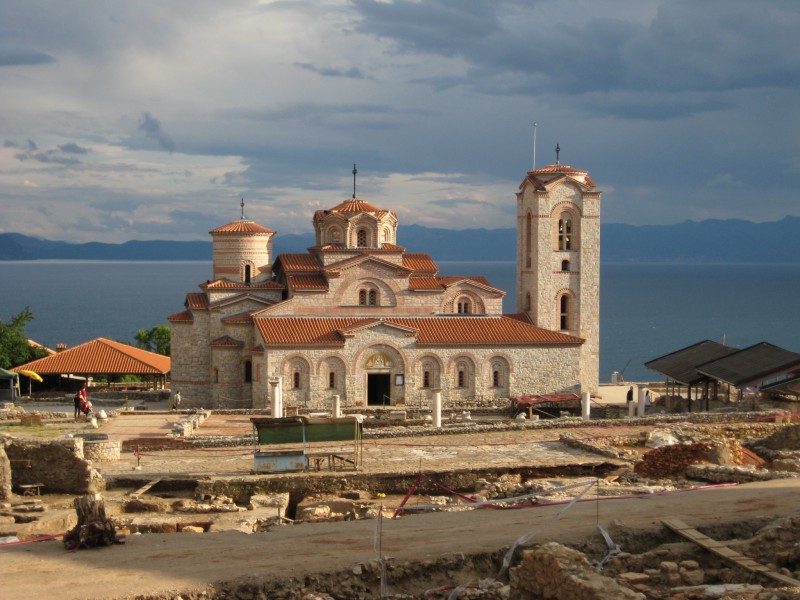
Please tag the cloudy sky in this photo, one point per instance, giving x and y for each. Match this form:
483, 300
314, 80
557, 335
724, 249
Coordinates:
148, 119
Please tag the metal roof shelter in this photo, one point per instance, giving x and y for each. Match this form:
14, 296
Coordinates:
752, 366
102, 357
681, 365
709, 364
785, 387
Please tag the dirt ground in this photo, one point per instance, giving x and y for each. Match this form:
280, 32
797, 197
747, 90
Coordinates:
151, 564
167, 565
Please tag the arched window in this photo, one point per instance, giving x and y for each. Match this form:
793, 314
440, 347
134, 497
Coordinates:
296, 380
564, 316
527, 301
528, 241
464, 307
247, 274
216, 375
386, 236
362, 297
361, 238
373, 298
332, 379
462, 376
426, 379
565, 265
248, 371
496, 379
565, 233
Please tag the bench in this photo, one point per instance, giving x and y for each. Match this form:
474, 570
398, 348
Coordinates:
31, 489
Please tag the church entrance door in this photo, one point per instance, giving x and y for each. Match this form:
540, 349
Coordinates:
378, 389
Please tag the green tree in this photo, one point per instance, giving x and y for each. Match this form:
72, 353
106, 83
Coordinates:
14, 347
155, 340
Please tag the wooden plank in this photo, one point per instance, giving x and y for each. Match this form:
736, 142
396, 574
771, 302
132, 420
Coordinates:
722, 551
144, 488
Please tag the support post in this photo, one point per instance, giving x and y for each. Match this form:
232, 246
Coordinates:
436, 407
586, 407
337, 406
640, 403
276, 398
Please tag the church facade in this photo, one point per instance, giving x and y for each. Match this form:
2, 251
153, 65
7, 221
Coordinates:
360, 317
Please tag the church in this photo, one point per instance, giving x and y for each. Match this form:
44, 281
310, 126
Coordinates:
359, 317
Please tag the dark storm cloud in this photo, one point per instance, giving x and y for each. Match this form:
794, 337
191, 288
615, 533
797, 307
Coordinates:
30, 151
439, 26
307, 111
17, 55
713, 46
351, 73
151, 127
73, 148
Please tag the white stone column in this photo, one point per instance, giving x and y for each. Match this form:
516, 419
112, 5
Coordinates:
337, 406
276, 398
436, 406
640, 403
586, 406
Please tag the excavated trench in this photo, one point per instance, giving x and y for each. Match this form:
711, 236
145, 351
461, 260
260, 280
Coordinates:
300, 486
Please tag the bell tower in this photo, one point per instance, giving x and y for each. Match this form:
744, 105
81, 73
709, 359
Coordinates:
558, 258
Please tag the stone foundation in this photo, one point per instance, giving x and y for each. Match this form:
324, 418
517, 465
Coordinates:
102, 450
60, 464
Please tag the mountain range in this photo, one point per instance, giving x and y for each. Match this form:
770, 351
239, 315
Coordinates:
729, 240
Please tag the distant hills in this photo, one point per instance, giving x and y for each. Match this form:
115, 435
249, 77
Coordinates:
704, 241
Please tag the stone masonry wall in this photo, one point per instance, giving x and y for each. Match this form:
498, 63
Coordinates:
59, 464
5, 473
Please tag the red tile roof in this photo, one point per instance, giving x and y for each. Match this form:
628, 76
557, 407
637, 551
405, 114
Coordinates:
557, 169
224, 284
184, 316
480, 280
196, 300
424, 283
226, 341
101, 356
420, 262
362, 258
240, 319
241, 226
431, 331
299, 262
355, 205
312, 283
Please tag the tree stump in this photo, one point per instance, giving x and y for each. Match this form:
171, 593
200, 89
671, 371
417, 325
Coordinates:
93, 529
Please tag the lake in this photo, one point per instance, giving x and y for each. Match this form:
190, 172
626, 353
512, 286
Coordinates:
646, 310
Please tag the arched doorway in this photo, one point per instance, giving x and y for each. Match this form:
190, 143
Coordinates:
379, 369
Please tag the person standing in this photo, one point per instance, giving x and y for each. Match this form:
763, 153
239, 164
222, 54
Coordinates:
629, 395
79, 401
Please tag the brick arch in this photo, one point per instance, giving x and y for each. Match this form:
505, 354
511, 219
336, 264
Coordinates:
347, 293
572, 315
506, 365
417, 370
361, 356
562, 212
451, 297
327, 357
329, 232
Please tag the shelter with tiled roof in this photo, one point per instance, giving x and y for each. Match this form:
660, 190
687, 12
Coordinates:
359, 317
102, 357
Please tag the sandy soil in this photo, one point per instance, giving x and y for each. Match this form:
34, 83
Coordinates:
159, 563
